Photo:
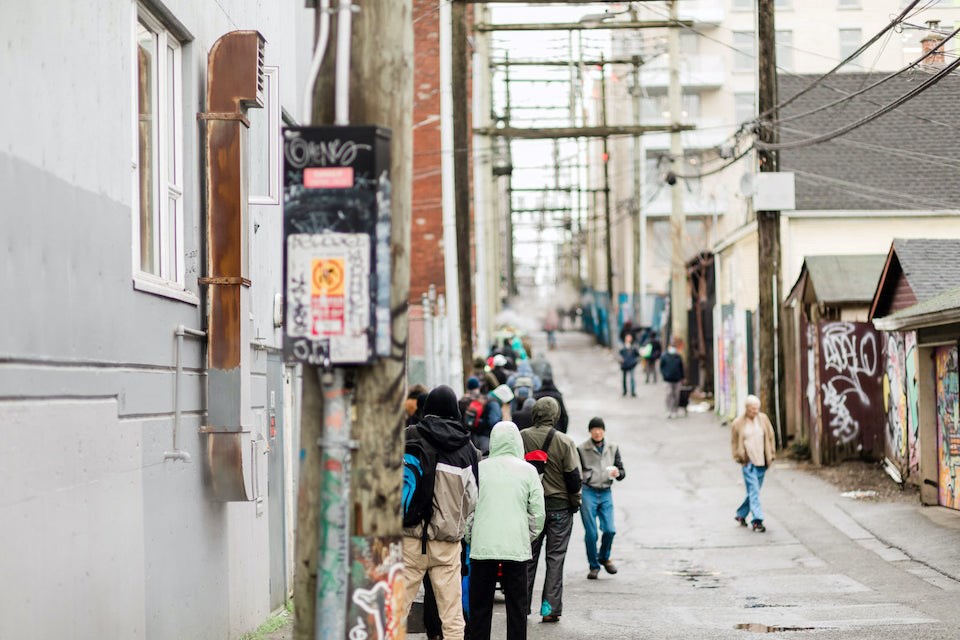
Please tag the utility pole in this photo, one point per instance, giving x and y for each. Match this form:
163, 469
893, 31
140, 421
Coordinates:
508, 245
639, 219
381, 92
461, 179
768, 227
607, 226
678, 273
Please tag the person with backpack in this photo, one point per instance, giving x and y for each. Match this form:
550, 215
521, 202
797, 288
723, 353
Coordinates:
524, 384
440, 475
556, 454
652, 350
671, 368
629, 357
509, 517
601, 463
491, 414
549, 390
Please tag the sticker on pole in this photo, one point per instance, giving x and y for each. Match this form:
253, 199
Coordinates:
328, 280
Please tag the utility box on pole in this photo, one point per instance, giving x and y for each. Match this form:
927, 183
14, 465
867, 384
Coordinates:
336, 234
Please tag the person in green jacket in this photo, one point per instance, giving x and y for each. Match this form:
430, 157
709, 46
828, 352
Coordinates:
509, 516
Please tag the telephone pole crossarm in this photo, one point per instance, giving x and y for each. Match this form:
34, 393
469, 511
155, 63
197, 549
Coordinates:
584, 26
550, 133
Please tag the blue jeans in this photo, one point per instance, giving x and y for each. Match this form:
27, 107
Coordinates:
753, 478
628, 373
597, 503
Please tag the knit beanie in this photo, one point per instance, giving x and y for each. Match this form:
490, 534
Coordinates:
596, 423
473, 383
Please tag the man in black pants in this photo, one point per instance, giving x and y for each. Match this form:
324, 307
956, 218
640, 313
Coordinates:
561, 493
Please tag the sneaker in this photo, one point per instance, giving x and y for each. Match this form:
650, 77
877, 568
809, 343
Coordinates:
758, 526
609, 566
742, 521
594, 574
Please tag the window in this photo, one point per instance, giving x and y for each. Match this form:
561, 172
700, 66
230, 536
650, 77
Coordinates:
744, 107
785, 50
849, 42
263, 149
690, 106
783, 4
689, 43
744, 58
157, 161
743, 5
849, 4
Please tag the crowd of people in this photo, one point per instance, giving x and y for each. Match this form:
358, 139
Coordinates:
492, 481
484, 496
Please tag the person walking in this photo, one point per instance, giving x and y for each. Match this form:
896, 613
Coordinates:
432, 545
671, 368
509, 517
629, 357
561, 490
651, 354
601, 464
753, 446
548, 389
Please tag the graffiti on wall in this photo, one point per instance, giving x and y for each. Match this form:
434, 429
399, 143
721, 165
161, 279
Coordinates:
376, 604
727, 361
895, 401
913, 403
849, 358
948, 429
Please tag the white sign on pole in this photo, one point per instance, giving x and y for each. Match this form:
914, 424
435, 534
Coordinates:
774, 192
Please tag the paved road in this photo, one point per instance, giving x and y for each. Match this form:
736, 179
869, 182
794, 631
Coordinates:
688, 571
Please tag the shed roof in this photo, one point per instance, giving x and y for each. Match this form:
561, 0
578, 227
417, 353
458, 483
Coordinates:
930, 265
845, 278
940, 309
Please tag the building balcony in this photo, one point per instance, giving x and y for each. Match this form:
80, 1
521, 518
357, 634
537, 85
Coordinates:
710, 134
697, 73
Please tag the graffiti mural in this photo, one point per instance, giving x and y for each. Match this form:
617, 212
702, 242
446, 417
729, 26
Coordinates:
895, 402
376, 603
727, 380
808, 381
851, 399
948, 429
913, 405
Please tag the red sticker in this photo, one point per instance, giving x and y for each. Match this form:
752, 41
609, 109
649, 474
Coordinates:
328, 177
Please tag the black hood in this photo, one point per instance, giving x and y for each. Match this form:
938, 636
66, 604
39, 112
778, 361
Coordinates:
548, 385
442, 402
445, 434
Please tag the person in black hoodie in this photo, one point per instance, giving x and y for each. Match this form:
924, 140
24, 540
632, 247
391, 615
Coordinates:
549, 390
434, 546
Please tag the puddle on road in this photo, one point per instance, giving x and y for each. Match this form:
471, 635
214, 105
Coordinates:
756, 627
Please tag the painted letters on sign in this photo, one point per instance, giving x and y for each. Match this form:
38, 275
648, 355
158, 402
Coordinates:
948, 425
377, 594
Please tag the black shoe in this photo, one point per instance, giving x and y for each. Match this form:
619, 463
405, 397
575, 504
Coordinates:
742, 521
609, 566
594, 574
758, 526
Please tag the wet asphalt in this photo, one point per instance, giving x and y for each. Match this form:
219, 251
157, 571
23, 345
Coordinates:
827, 567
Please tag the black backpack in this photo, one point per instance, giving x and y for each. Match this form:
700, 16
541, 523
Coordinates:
538, 457
419, 475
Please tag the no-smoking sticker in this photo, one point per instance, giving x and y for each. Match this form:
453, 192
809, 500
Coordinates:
328, 277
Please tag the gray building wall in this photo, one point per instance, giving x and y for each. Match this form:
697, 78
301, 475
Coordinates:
103, 538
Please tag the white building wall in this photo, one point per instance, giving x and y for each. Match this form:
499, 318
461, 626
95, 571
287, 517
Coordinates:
99, 528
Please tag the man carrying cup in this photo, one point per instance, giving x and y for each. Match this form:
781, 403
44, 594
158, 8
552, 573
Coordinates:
601, 464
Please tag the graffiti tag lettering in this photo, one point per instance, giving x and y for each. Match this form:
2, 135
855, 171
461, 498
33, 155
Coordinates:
847, 357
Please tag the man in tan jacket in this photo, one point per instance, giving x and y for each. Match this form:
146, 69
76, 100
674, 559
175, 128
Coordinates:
753, 447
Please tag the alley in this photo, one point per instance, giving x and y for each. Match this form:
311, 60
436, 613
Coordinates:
686, 570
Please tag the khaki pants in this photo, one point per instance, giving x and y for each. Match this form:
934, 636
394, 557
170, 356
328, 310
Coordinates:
442, 560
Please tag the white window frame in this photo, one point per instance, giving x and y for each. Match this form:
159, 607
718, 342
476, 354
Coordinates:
271, 107
840, 33
744, 61
784, 49
168, 108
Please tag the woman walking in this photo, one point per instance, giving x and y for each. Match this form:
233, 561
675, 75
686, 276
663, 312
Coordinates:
508, 518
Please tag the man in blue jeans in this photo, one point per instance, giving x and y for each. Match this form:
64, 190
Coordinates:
601, 465
754, 449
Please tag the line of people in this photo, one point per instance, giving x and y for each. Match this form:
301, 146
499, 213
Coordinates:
650, 353
474, 518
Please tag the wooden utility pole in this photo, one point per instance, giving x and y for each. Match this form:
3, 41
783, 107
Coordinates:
461, 181
607, 226
768, 227
678, 222
381, 92
639, 219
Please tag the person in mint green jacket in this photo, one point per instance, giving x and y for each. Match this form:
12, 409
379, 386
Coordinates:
509, 516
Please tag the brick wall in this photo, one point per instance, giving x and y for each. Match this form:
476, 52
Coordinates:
426, 234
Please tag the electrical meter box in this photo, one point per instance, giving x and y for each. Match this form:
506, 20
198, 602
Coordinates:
336, 244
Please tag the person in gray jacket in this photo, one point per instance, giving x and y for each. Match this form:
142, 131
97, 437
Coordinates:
601, 464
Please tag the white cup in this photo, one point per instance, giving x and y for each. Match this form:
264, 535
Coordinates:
613, 472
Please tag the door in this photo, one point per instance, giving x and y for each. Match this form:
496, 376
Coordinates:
948, 429
275, 475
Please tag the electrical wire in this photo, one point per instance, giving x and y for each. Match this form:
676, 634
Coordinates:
866, 119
